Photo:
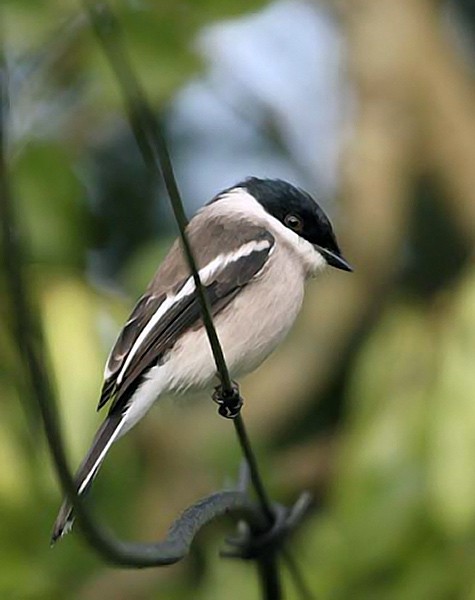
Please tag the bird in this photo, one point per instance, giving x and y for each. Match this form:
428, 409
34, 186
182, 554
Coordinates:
255, 245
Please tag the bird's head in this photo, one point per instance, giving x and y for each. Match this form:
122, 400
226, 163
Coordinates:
300, 213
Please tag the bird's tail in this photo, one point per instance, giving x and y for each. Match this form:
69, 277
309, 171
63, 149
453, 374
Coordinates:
105, 437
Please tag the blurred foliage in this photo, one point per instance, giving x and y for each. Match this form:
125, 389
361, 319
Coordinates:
369, 404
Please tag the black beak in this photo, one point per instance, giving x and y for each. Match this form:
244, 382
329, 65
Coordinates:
335, 260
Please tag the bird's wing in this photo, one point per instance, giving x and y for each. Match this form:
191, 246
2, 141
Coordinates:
167, 310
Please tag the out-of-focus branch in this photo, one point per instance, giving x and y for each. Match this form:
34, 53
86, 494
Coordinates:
11, 256
377, 176
26, 326
446, 107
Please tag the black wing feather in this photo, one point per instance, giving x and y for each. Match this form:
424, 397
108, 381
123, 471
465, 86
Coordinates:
182, 316
141, 313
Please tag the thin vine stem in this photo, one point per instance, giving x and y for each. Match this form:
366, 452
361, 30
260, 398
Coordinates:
300, 584
154, 149
256, 479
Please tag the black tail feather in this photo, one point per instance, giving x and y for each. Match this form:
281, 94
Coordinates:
87, 471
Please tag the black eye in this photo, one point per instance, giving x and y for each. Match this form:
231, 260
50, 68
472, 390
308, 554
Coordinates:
294, 222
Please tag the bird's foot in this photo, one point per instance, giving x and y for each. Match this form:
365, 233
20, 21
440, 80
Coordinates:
229, 402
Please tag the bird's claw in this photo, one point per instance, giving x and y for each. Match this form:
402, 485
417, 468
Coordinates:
230, 403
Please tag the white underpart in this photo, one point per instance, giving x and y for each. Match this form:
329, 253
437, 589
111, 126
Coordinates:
101, 457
